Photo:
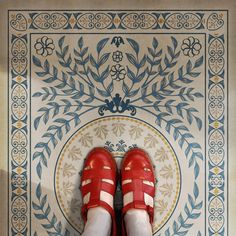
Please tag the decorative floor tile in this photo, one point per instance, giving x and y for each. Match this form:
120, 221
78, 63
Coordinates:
118, 79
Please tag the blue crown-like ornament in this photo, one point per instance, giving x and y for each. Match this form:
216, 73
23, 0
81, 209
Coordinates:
117, 105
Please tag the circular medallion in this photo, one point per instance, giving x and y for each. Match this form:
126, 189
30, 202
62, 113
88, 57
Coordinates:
118, 134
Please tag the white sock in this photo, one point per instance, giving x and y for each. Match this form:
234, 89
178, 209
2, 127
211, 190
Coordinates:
98, 222
137, 223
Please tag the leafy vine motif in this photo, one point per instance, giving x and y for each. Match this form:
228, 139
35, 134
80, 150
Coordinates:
191, 210
74, 89
150, 84
51, 224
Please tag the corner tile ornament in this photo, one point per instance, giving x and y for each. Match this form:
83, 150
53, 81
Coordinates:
18, 22
215, 21
153, 79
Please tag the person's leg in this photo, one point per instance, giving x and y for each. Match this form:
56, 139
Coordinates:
98, 222
137, 223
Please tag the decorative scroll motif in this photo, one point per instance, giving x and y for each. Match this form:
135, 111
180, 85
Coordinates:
216, 181
18, 22
19, 52
216, 143
215, 21
216, 135
97, 20
47, 20
19, 218
19, 135
216, 209
18, 181
186, 21
19, 143
216, 52
19, 97
117, 105
135, 21
216, 97
110, 20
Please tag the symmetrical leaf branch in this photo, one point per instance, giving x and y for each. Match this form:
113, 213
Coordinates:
159, 88
77, 88
169, 61
101, 76
138, 64
55, 133
181, 134
191, 212
161, 82
44, 213
181, 109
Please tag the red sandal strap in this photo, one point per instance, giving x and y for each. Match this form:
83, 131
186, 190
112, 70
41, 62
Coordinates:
141, 206
140, 174
98, 185
138, 186
102, 173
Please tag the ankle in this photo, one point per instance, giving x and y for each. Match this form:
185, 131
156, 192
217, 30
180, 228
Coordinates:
137, 222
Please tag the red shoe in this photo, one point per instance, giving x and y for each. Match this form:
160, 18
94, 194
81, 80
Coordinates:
137, 167
94, 170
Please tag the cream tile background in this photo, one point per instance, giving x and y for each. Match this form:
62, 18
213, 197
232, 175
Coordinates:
140, 4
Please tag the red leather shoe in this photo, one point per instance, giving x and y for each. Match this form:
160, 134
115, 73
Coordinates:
99, 165
137, 167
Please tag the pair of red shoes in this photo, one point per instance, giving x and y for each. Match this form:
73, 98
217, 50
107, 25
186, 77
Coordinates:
135, 170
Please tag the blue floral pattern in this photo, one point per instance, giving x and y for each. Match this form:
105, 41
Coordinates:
148, 68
